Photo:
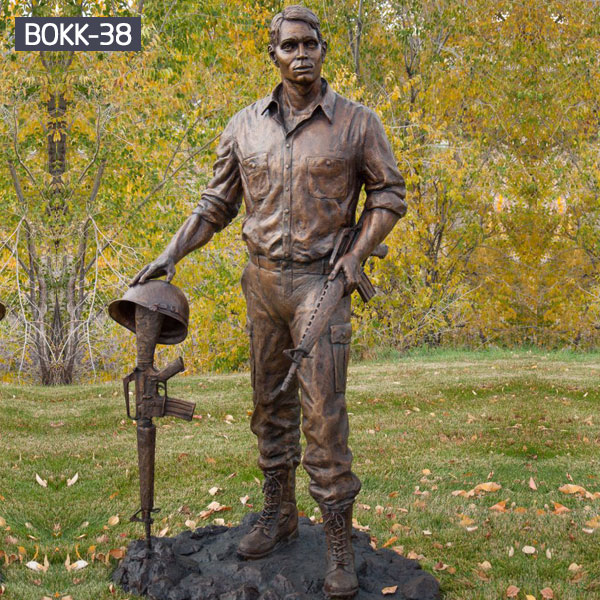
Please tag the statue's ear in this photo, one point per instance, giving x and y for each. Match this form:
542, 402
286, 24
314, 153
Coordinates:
324, 49
272, 55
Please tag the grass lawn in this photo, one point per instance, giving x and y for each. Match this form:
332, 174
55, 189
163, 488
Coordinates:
422, 427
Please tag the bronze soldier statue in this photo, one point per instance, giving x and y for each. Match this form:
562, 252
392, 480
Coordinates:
299, 158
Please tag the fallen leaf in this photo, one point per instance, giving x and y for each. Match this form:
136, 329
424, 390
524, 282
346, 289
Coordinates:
114, 520
595, 522
440, 566
548, 553
391, 541
389, 590
512, 591
465, 521
571, 488
560, 509
117, 553
511, 552
488, 486
500, 506
191, 524
574, 567
78, 565
163, 532
214, 490
528, 550
219, 522
73, 480
472, 528
35, 566
244, 500
547, 593
485, 565
529, 597
426, 472
532, 484
586, 530
41, 481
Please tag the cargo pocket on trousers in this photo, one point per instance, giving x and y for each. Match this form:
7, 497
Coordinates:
340, 344
250, 332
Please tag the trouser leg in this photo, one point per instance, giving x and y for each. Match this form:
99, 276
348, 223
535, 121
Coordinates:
322, 377
276, 419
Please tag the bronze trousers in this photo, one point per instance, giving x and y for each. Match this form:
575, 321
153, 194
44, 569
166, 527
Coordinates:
279, 304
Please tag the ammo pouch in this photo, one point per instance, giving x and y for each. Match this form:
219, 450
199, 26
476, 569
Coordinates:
340, 344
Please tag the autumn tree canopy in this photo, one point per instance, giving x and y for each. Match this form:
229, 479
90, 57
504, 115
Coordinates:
491, 111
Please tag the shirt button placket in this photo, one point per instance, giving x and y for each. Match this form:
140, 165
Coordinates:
287, 209
287, 200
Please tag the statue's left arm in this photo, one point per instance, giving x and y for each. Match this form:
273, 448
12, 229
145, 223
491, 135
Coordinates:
385, 203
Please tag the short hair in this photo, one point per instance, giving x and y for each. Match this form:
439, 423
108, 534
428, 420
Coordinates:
296, 12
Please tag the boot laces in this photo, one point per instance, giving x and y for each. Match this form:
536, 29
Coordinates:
272, 489
335, 525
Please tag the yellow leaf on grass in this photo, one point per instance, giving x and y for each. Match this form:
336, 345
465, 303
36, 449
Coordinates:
2, 522
560, 509
500, 506
529, 597
465, 521
488, 486
570, 488
389, 590
595, 522
114, 520
391, 541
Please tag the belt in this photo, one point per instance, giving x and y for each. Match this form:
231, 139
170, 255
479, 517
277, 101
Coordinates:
319, 267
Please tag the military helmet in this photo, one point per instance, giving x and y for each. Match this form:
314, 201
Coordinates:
160, 296
2, 311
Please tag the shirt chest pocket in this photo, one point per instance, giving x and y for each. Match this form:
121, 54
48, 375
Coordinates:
256, 171
327, 177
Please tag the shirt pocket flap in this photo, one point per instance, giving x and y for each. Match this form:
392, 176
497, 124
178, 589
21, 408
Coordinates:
341, 334
327, 177
256, 170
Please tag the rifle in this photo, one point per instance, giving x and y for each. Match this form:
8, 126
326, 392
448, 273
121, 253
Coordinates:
332, 293
151, 400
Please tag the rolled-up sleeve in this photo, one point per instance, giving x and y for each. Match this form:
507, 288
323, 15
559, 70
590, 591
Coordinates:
383, 183
221, 200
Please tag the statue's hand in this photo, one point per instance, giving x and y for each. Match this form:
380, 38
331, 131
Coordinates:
163, 265
349, 264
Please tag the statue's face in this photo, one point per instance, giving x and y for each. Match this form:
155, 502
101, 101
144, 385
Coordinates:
299, 55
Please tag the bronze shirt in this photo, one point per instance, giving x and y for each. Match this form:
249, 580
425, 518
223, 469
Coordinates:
301, 186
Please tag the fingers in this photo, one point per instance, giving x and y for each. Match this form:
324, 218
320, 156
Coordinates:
335, 271
138, 277
170, 272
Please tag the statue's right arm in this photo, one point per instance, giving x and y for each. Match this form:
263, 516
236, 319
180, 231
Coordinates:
194, 233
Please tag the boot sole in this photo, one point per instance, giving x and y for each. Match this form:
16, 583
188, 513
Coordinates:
282, 542
341, 595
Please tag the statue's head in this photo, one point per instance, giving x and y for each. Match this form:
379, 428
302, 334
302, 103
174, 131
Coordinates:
296, 44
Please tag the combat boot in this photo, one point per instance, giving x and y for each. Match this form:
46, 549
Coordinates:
278, 521
340, 577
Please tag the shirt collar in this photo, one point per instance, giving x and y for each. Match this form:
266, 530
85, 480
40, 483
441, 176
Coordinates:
326, 102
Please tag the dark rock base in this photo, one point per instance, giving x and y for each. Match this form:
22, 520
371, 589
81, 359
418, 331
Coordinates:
203, 565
